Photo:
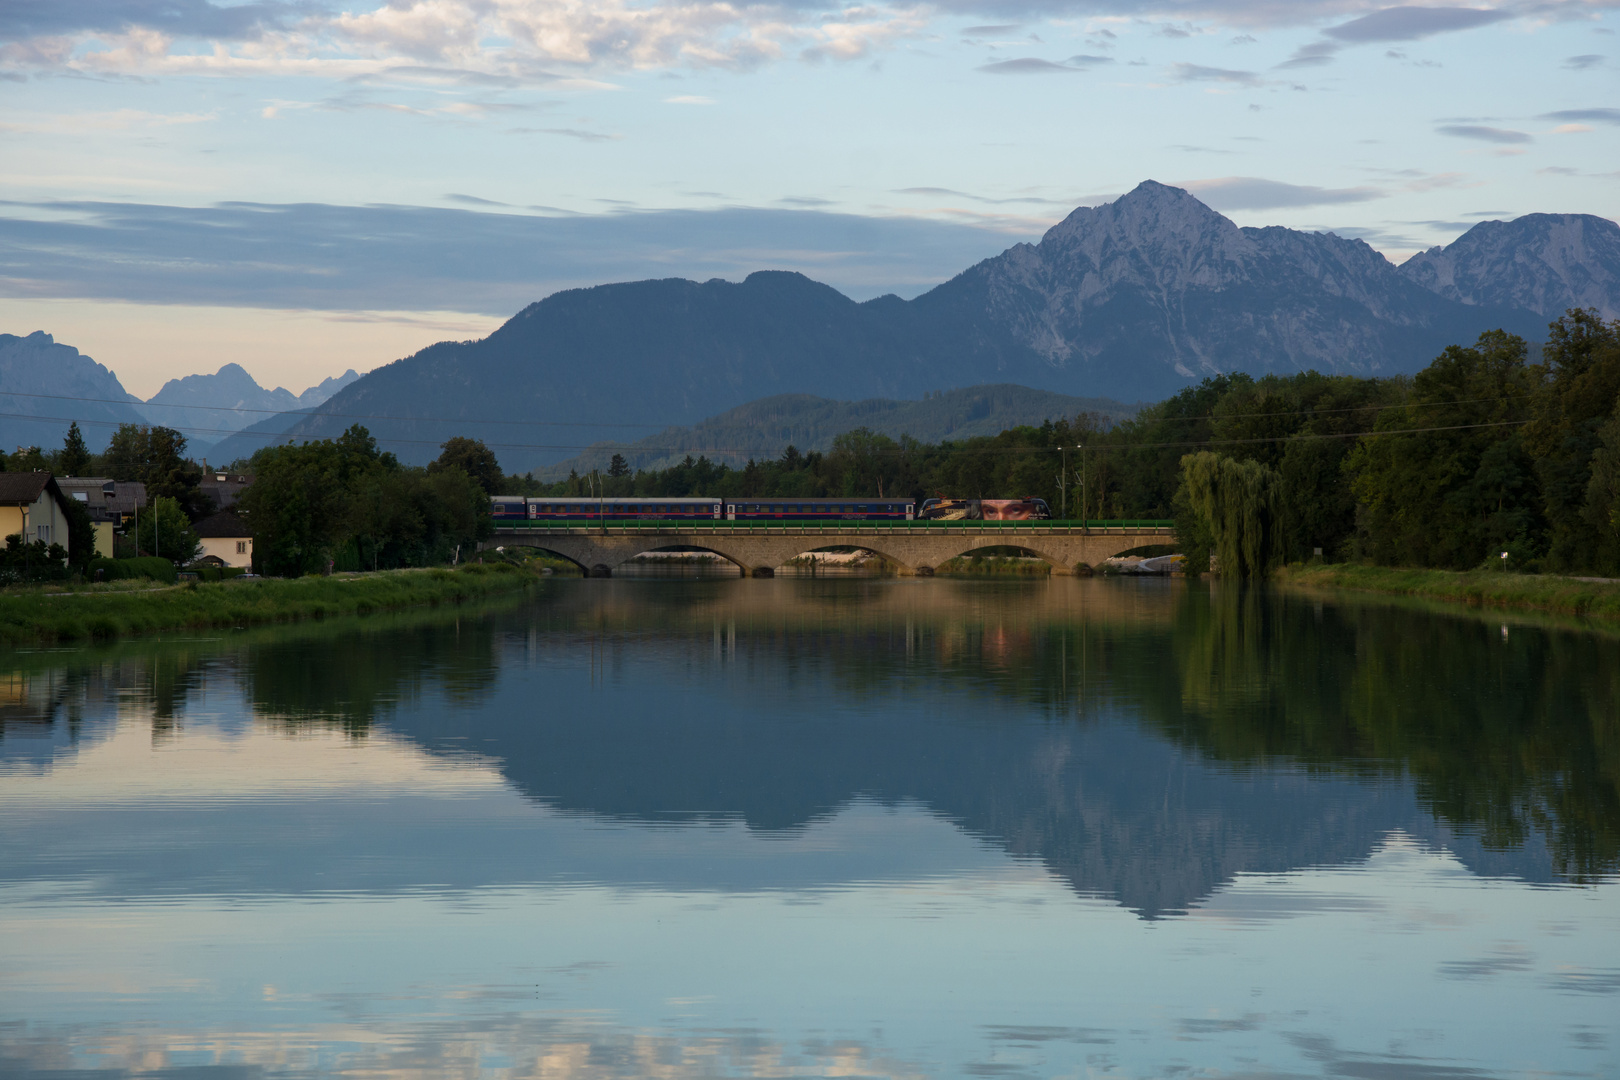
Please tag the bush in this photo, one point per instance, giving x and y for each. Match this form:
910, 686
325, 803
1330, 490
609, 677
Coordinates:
149, 566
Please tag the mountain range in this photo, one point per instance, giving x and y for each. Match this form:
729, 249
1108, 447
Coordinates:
763, 429
1130, 300
210, 407
45, 385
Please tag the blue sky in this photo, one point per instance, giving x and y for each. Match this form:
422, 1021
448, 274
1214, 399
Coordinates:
304, 187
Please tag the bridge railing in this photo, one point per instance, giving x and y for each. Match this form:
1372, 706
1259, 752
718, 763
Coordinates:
1112, 526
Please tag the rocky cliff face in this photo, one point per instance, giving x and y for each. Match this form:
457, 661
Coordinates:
1547, 263
1158, 285
78, 388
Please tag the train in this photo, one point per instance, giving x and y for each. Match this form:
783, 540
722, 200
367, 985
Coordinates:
513, 509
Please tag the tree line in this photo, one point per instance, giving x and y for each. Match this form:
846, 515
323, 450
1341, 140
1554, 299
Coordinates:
1493, 447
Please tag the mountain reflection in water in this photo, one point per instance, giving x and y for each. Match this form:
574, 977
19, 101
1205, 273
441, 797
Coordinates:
1146, 741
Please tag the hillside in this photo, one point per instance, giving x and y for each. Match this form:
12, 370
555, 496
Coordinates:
1131, 300
763, 429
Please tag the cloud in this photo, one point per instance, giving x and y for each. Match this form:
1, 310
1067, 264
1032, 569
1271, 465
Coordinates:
1482, 133
990, 31
572, 133
1085, 60
1027, 65
1255, 193
526, 41
1584, 61
688, 99
1199, 73
347, 258
1413, 23
1596, 116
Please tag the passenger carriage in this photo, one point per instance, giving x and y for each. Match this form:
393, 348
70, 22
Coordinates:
820, 509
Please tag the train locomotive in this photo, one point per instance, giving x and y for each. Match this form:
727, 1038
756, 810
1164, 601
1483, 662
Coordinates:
985, 510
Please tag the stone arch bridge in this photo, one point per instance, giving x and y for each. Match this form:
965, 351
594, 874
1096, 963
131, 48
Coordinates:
758, 548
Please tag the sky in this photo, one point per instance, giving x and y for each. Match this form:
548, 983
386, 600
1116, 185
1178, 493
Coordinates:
305, 186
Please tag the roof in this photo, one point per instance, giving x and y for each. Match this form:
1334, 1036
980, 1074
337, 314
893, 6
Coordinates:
222, 526
97, 486
128, 497
22, 488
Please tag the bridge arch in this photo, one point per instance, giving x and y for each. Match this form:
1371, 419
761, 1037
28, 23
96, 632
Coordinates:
711, 549
989, 547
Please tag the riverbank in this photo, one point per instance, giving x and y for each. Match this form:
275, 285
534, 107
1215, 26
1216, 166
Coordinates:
1479, 588
44, 615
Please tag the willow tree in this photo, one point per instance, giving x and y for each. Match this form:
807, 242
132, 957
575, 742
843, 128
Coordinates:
1237, 503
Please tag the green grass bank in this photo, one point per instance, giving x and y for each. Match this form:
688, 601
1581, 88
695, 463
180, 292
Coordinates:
45, 615
1479, 588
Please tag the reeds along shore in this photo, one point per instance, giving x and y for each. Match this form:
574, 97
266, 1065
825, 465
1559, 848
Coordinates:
1564, 595
101, 613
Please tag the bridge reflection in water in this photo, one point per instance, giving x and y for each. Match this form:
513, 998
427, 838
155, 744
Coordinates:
758, 548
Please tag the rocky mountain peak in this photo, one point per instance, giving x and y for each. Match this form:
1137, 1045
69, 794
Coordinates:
1546, 263
1153, 224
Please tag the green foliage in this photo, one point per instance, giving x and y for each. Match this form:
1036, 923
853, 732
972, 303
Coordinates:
156, 457
151, 567
164, 531
81, 533
1580, 375
310, 504
1447, 481
100, 612
74, 460
20, 562
1236, 506
475, 459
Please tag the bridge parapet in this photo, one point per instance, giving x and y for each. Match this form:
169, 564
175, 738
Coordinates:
758, 548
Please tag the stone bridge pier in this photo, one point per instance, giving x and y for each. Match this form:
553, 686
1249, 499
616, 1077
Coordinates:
759, 549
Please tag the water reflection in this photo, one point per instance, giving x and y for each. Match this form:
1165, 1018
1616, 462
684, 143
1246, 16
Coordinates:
819, 826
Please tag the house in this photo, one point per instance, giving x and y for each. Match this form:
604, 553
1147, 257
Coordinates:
33, 505
128, 499
226, 540
224, 488
96, 494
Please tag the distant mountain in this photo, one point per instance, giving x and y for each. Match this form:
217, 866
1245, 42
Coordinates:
73, 387
1547, 263
1131, 300
210, 407
763, 429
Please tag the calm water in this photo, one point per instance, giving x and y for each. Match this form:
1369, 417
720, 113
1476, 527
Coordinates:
656, 828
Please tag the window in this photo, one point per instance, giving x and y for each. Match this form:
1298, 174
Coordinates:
241, 547
82, 496
43, 532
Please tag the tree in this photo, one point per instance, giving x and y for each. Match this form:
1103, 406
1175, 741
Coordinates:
74, 459
1580, 379
81, 533
618, 466
475, 459
1428, 494
1236, 502
164, 530
156, 456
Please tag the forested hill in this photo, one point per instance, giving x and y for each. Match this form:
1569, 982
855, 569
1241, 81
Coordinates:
764, 429
1135, 300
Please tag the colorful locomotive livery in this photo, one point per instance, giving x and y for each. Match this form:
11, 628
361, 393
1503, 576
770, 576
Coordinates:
512, 509
985, 510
